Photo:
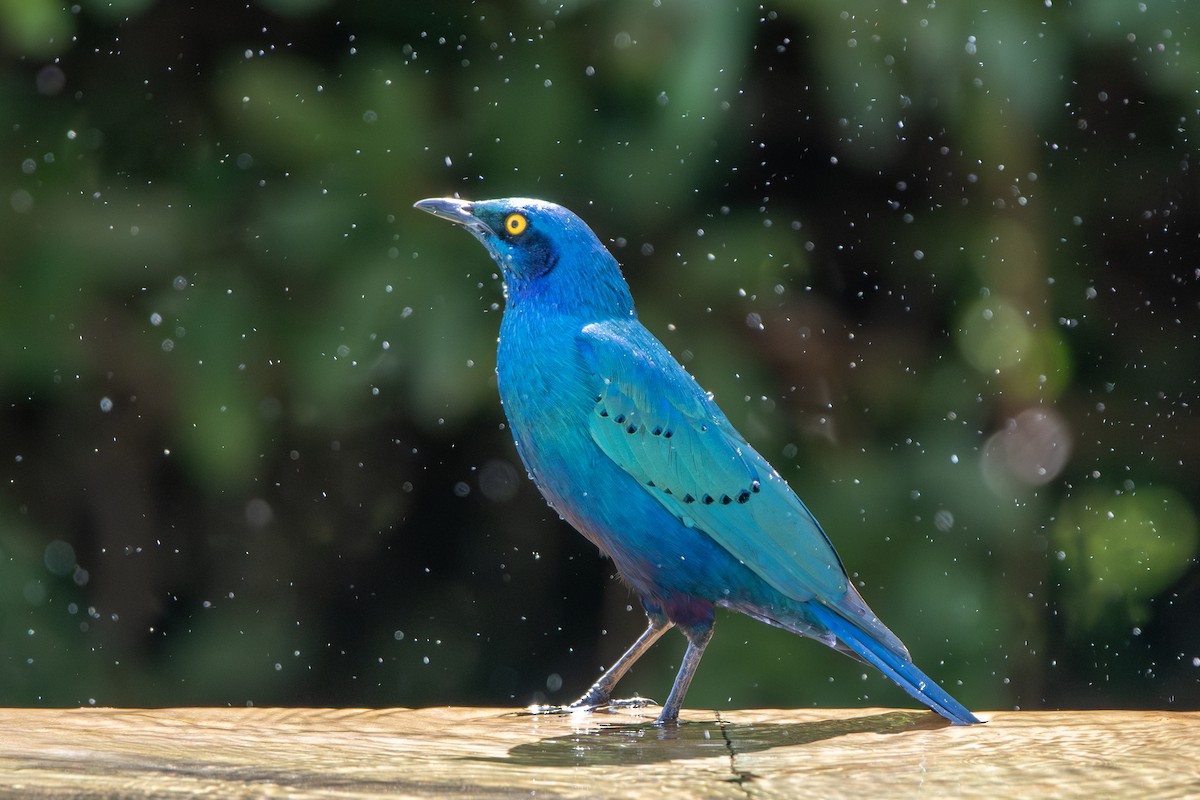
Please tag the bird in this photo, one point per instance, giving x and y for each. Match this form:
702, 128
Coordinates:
628, 448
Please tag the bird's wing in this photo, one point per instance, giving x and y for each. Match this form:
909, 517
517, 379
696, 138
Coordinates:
657, 424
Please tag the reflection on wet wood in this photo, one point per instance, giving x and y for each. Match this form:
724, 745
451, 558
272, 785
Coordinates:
482, 752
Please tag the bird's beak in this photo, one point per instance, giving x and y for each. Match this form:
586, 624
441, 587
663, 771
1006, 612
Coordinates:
457, 211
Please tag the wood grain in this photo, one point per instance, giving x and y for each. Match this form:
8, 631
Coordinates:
483, 752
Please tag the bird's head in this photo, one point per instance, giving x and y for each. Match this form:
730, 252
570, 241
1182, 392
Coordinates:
542, 249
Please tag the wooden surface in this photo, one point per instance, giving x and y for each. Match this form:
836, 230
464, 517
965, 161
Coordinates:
481, 752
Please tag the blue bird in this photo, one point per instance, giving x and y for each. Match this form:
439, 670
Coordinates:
628, 448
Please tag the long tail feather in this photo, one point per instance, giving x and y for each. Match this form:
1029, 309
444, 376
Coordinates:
900, 670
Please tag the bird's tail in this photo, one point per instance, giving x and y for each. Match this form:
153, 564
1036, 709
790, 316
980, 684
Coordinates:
899, 669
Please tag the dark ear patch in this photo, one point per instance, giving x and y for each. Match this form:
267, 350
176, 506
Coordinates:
539, 255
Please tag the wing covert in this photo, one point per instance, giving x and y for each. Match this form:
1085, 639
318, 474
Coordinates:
654, 421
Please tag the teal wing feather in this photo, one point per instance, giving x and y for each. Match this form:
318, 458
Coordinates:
654, 421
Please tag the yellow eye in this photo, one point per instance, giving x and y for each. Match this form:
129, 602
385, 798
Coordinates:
515, 224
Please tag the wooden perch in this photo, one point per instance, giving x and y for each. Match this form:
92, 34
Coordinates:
485, 752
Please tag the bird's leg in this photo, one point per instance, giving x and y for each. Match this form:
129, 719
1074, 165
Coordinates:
697, 641
602, 689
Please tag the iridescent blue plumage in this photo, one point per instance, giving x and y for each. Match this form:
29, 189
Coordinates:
625, 444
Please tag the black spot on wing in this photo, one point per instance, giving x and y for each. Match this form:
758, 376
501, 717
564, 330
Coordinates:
626, 419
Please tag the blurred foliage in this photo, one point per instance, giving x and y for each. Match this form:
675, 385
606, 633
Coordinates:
939, 263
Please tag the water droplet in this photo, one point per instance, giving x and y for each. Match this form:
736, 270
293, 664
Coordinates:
59, 557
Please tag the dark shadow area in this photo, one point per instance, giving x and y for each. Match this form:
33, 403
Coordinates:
624, 745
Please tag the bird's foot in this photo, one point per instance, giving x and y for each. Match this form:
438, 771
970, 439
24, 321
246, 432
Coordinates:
583, 705
537, 710
592, 699
587, 705
631, 702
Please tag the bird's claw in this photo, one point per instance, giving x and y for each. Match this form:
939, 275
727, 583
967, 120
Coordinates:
608, 704
631, 702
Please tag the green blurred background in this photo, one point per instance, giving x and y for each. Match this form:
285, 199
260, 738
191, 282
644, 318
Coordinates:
940, 264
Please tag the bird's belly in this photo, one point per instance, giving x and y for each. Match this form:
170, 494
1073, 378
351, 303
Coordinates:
659, 556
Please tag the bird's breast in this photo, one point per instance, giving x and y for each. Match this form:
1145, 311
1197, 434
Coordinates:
546, 394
